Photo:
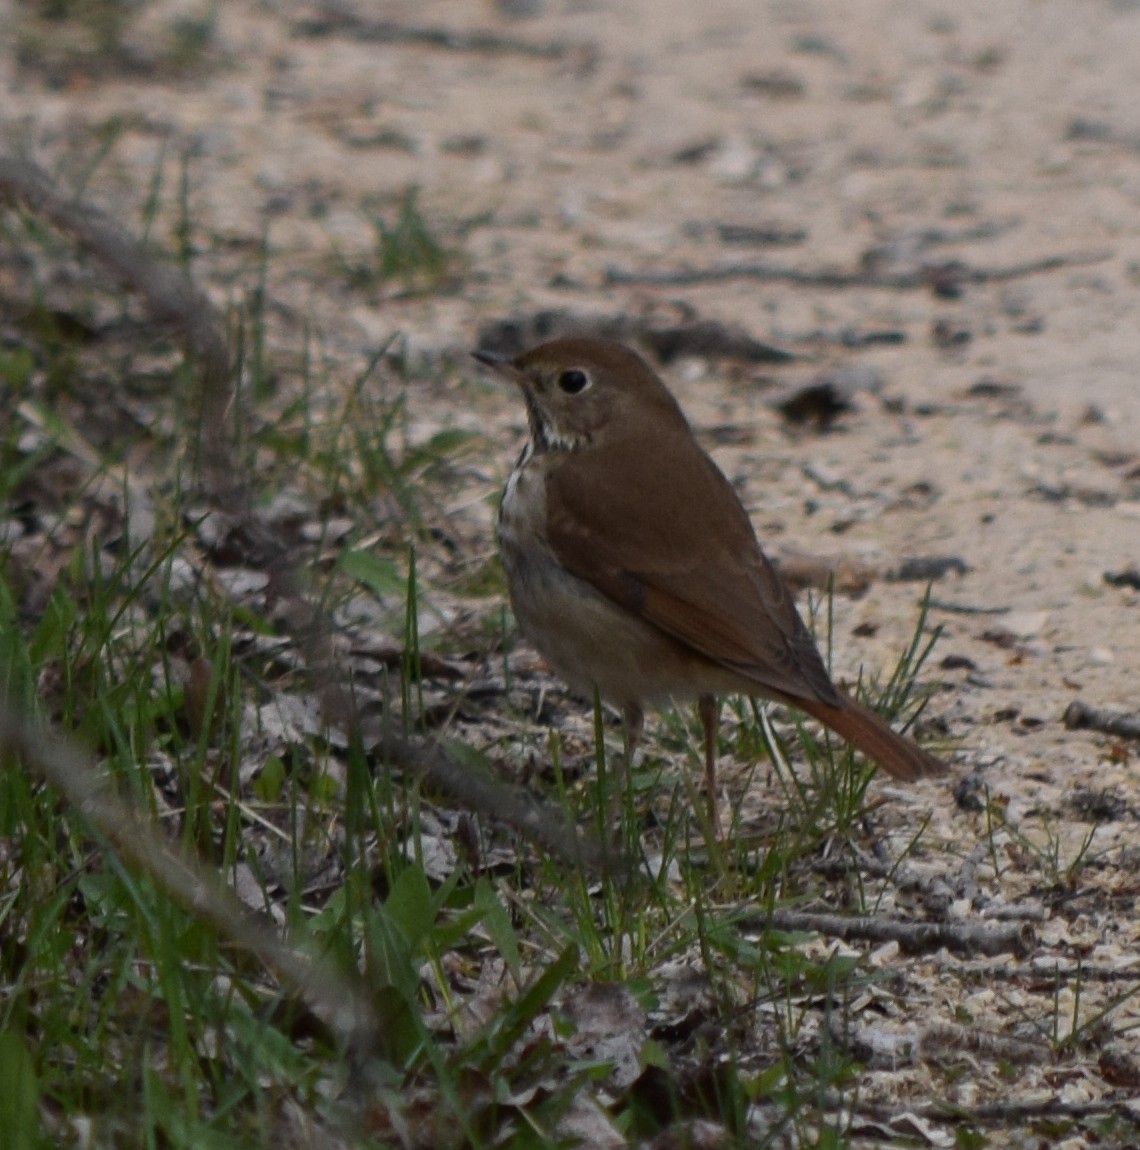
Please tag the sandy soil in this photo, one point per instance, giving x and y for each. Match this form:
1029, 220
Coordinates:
867, 127
873, 133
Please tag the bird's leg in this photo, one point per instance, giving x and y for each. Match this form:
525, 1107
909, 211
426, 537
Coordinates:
634, 725
634, 718
708, 709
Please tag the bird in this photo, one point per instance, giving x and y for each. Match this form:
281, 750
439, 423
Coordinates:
634, 569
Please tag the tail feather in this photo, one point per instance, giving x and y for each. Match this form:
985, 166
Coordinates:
896, 754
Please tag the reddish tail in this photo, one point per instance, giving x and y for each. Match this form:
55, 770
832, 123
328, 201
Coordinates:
895, 753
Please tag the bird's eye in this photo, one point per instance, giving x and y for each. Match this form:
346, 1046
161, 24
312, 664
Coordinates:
574, 381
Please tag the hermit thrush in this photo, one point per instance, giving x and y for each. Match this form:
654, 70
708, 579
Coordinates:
633, 567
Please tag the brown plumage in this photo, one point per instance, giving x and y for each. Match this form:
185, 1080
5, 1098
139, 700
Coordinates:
633, 566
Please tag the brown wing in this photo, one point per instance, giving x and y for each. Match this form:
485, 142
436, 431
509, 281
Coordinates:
657, 528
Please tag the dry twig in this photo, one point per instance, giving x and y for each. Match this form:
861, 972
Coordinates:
912, 937
333, 20
1081, 716
909, 279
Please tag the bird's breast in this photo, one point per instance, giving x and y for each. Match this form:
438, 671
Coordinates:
586, 637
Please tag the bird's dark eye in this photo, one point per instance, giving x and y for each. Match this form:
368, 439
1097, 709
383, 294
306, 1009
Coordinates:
573, 381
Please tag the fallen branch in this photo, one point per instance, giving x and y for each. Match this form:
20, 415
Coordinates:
1007, 1110
479, 790
334, 21
1059, 970
942, 277
1081, 716
912, 937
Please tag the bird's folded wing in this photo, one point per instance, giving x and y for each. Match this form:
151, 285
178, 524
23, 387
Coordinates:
692, 567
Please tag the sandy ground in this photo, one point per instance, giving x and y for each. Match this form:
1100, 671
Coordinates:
887, 133
866, 127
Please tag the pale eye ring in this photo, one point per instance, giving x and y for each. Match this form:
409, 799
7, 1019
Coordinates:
573, 381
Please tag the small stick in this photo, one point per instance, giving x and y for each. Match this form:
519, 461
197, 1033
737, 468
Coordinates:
908, 280
1079, 716
913, 937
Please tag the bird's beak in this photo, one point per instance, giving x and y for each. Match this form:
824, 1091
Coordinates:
502, 365
493, 359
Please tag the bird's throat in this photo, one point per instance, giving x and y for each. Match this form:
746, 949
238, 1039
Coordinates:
546, 436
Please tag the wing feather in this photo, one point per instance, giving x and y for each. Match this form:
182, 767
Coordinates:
691, 566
